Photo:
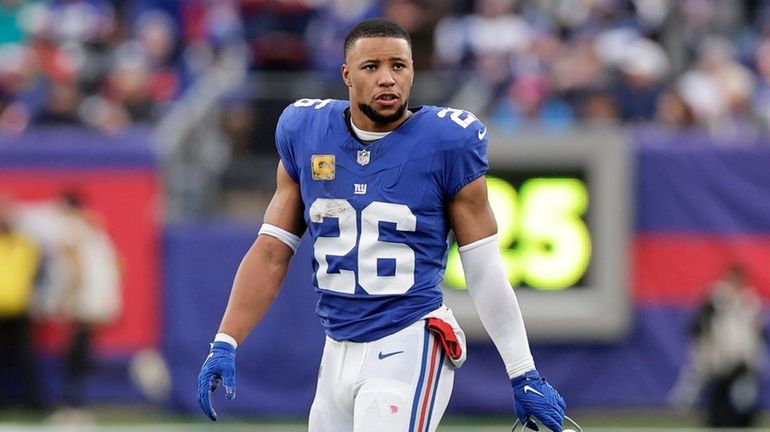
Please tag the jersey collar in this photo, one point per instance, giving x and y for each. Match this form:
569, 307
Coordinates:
347, 139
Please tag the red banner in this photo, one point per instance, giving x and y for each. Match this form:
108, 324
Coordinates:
678, 269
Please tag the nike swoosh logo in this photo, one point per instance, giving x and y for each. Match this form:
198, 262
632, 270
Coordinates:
382, 355
528, 388
482, 133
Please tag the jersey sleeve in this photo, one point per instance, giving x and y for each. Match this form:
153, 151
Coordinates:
284, 144
468, 162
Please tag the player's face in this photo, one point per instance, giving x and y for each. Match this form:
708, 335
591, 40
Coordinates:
379, 73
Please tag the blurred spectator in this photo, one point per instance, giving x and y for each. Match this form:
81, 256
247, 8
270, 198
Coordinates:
701, 19
761, 97
238, 125
86, 265
157, 37
419, 18
672, 112
727, 357
599, 108
327, 29
275, 30
718, 88
14, 117
62, 106
209, 31
129, 83
643, 69
19, 262
530, 105
579, 69
17, 79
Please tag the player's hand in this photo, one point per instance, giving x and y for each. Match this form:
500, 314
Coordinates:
218, 368
534, 397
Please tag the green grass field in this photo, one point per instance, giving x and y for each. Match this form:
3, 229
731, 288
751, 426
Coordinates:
136, 419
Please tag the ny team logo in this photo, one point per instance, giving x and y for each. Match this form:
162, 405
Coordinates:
363, 157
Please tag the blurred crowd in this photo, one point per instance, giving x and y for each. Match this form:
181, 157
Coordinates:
103, 64
553, 64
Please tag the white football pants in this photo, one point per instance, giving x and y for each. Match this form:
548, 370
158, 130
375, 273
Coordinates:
401, 382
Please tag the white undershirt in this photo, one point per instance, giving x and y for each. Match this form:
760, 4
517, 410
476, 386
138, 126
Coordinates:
366, 135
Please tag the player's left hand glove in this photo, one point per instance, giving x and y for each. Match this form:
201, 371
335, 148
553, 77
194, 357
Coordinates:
534, 397
219, 367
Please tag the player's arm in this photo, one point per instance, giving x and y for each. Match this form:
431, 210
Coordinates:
256, 284
475, 229
261, 273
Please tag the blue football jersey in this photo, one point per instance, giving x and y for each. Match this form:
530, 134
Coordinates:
376, 213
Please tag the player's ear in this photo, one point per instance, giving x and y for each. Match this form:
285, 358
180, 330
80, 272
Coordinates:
346, 75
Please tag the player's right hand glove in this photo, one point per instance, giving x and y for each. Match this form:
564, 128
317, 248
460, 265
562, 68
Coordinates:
534, 397
219, 367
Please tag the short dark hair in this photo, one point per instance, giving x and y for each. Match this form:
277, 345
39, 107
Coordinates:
375, 27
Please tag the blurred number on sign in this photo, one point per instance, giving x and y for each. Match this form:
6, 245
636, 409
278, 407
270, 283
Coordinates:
545, 242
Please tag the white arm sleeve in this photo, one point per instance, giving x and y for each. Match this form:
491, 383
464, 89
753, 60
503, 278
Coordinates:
289, 239
496, 303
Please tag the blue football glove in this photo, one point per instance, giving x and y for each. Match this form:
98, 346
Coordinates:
534, 397
219, 367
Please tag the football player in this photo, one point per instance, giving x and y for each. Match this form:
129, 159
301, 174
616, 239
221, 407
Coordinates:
378, 185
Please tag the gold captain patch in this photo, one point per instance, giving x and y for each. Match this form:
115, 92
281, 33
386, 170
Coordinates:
323, 167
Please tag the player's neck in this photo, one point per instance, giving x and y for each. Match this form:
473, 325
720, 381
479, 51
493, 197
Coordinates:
368, 136
361, 121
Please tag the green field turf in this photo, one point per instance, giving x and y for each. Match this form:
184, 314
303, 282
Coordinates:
143, 419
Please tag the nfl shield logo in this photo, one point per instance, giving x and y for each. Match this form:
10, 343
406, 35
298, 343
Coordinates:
363, 157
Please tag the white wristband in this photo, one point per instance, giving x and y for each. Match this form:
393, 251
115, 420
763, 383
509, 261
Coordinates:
224, 337
289, 239
496, 303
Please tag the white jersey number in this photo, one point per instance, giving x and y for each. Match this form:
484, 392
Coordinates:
370, 248
461, 117
315, 103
